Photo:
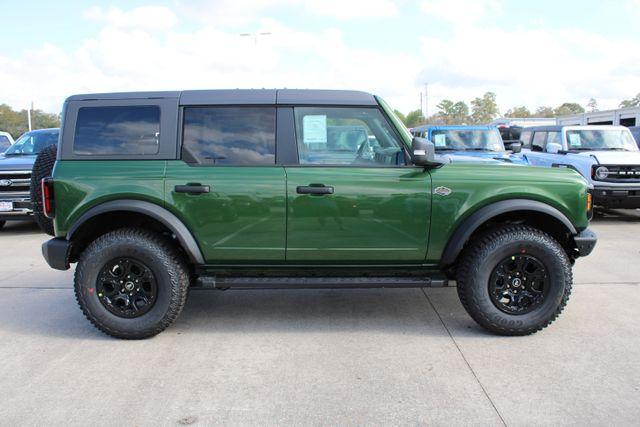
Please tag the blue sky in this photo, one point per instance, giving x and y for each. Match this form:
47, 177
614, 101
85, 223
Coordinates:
542, 53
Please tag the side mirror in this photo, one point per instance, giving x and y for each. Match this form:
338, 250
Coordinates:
516, 147
553, 148
423, 152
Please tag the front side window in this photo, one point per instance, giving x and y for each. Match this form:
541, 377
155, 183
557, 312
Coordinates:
539, 139
229, 135
525, 137
597, 139
469, 140
126, 130
31, 143
346, 136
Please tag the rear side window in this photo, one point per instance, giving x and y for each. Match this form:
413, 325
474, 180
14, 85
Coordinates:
229, 135
117, 130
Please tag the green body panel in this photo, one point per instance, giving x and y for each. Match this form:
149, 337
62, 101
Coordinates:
374, 215
81, 185
476, 185
241, 219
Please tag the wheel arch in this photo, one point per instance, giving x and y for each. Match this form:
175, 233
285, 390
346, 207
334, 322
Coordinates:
542, 215
157, 216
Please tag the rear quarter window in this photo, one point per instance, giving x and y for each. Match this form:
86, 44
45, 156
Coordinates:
118, 130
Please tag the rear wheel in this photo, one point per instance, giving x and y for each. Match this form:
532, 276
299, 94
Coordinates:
2, 223
42, 168
131, 283
514, 280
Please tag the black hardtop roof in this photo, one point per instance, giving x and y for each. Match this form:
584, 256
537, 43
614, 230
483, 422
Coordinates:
244, 97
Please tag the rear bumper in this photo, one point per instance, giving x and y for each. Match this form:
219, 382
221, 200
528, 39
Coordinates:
617, 197
56, 253
585, 242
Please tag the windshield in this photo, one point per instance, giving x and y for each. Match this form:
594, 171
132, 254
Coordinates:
32, 143
472, 140
601, 139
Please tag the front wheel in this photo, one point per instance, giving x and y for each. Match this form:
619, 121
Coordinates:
514, 280
131, 283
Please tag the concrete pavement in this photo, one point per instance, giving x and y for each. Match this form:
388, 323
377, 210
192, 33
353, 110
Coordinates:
323, 357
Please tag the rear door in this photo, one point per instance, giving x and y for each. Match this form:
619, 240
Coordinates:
227, 187
352, 198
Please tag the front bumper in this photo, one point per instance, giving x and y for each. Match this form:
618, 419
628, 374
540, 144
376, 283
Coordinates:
585, 242
617, 197
56, 253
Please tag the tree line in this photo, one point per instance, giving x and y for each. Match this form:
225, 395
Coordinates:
17, 123
484, 109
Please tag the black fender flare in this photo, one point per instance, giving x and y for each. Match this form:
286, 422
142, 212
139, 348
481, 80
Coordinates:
177, 227
470, 224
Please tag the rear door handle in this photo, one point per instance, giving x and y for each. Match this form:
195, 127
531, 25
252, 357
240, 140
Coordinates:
314, 189
192, 189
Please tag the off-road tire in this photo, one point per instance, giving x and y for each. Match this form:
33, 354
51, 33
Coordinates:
162, 258
42, 168
484, 253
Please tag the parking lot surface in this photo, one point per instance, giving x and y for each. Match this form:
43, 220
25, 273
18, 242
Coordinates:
403, 356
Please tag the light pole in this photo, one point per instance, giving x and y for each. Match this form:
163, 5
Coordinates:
255, 36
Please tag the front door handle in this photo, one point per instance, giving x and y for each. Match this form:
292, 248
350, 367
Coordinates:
314, 189
192, 189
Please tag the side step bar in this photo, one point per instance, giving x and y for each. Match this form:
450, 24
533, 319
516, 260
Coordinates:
226, 282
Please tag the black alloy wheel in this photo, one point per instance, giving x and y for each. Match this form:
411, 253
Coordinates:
127, 287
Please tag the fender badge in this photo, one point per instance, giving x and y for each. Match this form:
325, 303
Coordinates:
442, 191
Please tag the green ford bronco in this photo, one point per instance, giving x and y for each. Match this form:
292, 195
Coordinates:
155, 193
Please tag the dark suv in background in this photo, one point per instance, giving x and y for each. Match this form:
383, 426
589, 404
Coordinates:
16, 166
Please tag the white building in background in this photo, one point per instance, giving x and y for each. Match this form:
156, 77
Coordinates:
622, 116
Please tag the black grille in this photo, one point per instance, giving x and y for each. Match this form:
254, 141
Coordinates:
619, 173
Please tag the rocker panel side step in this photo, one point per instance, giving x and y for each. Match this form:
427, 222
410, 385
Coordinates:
227, 282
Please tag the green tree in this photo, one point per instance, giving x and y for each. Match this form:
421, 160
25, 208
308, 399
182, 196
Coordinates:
544, 112
414, 118
592, 105
485, 109
569, 108
633, 102
450, 112
16, 122
515, 112
401, 116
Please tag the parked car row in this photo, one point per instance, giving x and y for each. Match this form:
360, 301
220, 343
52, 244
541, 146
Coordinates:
608, 157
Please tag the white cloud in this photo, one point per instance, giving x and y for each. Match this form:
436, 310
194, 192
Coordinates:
531, 66
351, 9
130, 58
147, 17
460, 12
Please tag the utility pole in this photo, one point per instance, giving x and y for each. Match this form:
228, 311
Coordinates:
255, 36
426, 100
29, 115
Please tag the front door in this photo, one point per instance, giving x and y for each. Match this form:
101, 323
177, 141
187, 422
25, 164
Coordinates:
227, 188
352, 199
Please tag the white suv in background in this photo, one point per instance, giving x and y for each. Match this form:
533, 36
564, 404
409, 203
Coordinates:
6, 141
